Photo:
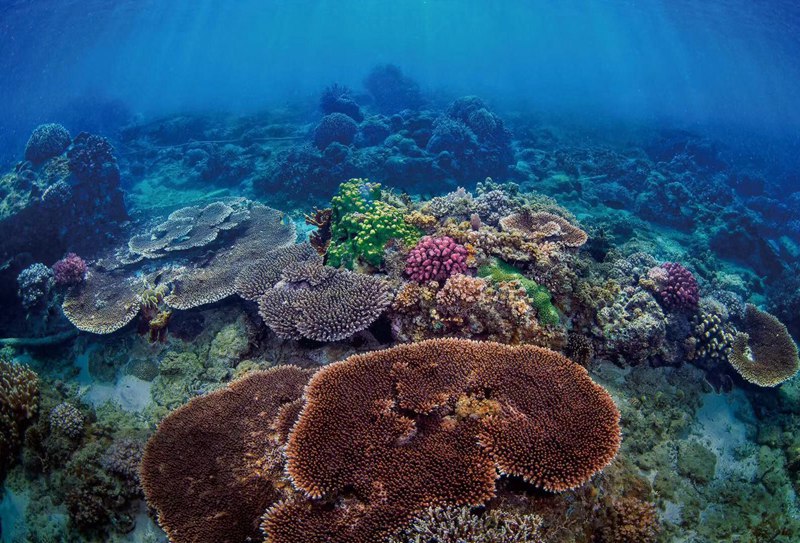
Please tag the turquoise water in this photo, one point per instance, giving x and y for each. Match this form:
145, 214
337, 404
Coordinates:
422, 271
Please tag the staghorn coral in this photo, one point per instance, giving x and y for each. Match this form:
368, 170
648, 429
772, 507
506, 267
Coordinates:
322, 303
464, 525
259, 276
65, 419
19, 404
542, 226
630, 520
207, 469
103, 303
396, 452
214, 280
46, 141
435, 259
764, 353
70, 270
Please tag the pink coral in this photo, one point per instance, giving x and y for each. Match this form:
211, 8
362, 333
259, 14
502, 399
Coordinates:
70, 270
679, 288
436, 259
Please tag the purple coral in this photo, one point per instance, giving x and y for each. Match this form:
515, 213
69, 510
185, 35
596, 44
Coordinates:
91, 159
679, 289
436, 259
70, 270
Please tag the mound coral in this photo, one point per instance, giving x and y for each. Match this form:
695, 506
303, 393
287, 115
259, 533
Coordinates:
335, 128
435, 259
392, 90
400, 446
35, 284
91, 159
209, 469
764, 353
67, 420
322, 303
676, 286
46, 141
19, 404
631, 520
542, 226
339, 99
70, 270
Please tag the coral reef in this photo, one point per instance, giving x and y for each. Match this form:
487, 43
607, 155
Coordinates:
764, 353
435, 259
402, 415
232, 427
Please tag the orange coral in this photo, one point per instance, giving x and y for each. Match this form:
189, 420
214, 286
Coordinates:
214, 465
402, 446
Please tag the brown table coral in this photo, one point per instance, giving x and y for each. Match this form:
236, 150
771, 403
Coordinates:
213, 466
387, 434
764, 353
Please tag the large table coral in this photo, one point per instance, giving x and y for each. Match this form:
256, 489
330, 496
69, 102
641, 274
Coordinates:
434, 423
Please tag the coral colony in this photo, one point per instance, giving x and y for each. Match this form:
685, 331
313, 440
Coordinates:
394, 357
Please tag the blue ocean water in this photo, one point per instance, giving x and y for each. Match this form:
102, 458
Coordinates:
192, 192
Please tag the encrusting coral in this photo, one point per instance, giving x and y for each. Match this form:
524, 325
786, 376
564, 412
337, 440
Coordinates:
764, 353
213, 465
537, 415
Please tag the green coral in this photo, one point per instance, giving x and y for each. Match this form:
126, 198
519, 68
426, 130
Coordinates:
499, 272
362, 223
178, 379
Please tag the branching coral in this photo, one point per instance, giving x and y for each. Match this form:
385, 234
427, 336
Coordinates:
676, 286
363, 223
436, 259
397, 450
630, 520
70, 270
261, 275
19, 404
764, 353
67, 420
207, 469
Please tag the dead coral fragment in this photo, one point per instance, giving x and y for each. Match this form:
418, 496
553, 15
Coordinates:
206, 470
764, 353
400, 446
543, 226
322, 303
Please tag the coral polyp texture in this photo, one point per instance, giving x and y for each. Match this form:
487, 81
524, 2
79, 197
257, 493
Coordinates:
677, 287
70, 270
19, 405
322, 303
47, 141
434, 423
436, 259
261, 275
542, 226
764, 353
209, 469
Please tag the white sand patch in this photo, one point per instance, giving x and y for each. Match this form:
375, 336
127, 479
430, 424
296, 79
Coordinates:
720, 426
129, 392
